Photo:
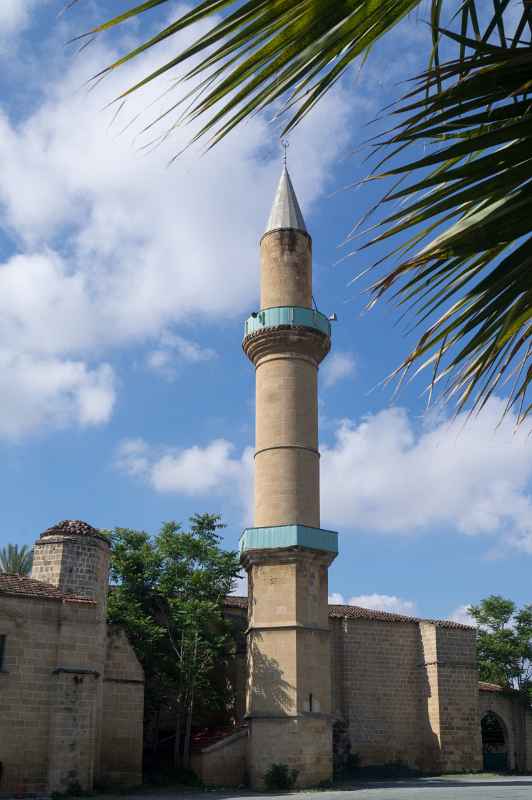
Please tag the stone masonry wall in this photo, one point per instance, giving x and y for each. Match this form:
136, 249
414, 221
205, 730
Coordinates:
75, 696
528, 751
77, 565
30, 656
51, 691
460, 739
224, 763
72, 733
516, 720
123, 711
382, 691
408, 692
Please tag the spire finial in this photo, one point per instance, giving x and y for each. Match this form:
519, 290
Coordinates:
285, 213
285, 144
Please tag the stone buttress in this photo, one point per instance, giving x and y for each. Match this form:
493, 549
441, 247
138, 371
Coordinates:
287, 554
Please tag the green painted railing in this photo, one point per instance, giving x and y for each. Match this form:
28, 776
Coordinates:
287, 315
280, 536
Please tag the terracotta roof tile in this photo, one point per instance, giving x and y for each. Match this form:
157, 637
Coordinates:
484, 686
357, 612
23, 586
74, 527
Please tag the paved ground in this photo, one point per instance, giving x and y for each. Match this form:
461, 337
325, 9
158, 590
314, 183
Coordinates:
473, 787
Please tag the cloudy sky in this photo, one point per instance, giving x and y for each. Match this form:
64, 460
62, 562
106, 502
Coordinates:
124, 284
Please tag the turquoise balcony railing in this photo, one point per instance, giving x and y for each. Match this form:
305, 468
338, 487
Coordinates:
281, 536
287, 315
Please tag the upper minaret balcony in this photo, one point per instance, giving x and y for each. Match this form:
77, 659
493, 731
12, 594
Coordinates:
286, 302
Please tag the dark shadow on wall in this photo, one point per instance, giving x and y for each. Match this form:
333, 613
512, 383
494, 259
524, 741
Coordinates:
269, 692
430, 756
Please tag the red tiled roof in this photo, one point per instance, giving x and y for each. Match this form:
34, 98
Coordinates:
209, 736
21, 585
74, 527
357, 612
484, 686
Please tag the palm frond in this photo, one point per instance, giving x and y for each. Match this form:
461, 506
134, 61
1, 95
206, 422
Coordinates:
16, 560
472, 278
260, 51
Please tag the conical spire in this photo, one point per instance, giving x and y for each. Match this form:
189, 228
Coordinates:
285, 211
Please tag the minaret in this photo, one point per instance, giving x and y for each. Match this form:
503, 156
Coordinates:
287, 554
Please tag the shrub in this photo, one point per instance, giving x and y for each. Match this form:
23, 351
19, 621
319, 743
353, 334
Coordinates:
280, 776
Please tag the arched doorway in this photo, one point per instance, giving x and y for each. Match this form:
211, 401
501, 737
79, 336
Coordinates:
494, 743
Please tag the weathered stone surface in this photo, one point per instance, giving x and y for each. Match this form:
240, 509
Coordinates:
71, 695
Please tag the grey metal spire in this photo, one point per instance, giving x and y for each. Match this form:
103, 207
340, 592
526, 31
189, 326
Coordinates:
285, 211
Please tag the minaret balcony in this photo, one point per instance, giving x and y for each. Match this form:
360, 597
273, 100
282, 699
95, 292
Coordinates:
287, 536
287, 317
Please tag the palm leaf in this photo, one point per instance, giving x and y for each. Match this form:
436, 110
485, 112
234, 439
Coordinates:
469, 204
472, 279
16, 560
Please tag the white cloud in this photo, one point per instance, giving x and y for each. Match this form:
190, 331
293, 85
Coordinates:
212, 469
462, 616
52, 392
114, 248
15, 15
240, 587
132, 457
337, 367
377, 602
172, 351
381, 475
197, 470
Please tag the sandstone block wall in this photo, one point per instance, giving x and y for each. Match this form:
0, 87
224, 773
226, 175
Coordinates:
77, 565
408, 692
305, 744
122, 713
528, 765
516, 720
52, 697
459, 719
224, 763
72, 731
286, 269
379, 691
28, 663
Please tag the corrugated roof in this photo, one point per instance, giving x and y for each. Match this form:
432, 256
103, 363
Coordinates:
285, 212
21, 585
357, 612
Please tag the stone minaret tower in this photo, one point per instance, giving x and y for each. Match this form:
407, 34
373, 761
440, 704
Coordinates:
287, 554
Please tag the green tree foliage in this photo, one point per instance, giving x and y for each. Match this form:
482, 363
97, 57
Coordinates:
16, 560
168, 595
504, 642
464, 211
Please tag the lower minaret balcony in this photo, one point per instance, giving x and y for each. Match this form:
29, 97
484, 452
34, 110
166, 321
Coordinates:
287, 316
293, 330
284, 536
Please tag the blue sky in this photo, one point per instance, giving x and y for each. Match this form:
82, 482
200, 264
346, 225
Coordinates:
124, 284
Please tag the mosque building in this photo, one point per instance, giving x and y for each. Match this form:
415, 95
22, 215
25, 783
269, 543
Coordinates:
391, 688
315, 680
